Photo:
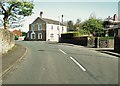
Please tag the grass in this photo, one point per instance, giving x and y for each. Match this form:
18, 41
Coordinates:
13, 48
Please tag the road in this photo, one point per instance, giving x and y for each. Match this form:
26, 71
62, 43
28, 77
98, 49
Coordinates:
47, 63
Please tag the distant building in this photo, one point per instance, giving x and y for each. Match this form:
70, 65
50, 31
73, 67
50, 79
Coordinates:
17, 33
43, 29
111, 25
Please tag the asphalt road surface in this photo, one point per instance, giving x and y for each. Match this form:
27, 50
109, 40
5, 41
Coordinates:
47, 63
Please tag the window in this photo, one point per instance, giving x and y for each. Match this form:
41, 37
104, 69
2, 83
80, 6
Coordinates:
39, 26
27, 34
32, 27
57, 27
32, 35
39, 35
51, 27
51, 35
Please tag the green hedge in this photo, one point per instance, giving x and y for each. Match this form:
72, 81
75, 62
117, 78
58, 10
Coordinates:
104, 38
79, 33
16, 37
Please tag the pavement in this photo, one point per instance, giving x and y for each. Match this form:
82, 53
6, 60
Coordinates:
12, 57
109, 51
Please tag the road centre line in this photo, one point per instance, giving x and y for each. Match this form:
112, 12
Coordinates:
62, 51
78, 64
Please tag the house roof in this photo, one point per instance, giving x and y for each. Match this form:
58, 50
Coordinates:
48, 21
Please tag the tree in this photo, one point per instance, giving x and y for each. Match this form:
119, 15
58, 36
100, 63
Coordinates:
93, 25
92, 15
77, 25
23, 33
12, 9
70, 25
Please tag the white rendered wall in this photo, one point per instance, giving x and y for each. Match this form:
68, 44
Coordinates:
57, 32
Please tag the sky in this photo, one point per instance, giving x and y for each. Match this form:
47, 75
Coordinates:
76, 0
72, 10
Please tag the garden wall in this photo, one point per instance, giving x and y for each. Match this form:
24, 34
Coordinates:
6, 41
106, 43
88, 41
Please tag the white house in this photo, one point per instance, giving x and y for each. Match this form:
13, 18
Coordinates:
43, 29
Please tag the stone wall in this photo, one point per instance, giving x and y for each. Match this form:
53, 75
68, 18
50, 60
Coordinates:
88, 41
83, 40
6, 41
108, 43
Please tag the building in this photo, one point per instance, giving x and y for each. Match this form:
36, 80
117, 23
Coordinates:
43, 29
17, 33
114, 29
111, 25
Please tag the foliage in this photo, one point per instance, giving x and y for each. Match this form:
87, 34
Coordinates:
77, 25
12, 9
78, 33
93, 25
70, 25
104, 38
16, 37
23, 33
84, 32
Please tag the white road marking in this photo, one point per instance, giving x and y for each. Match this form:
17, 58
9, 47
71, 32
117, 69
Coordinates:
78, 64
62, 51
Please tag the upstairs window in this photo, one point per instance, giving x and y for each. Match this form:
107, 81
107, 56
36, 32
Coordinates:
51, 27
57, 27
39, 26
32, 27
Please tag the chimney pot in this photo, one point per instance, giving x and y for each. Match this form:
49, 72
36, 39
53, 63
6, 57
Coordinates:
41, 14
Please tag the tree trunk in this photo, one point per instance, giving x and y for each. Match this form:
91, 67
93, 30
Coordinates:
5, 22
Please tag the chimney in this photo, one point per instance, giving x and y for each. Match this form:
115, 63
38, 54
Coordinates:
115, 17
41, 14
62, 19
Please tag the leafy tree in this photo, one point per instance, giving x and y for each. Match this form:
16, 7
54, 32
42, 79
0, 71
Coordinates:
77, 25
23, 33
12, 9
92, 15
70, 25
93, 25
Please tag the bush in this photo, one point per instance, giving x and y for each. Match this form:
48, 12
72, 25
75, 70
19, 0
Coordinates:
83, 32
78, 33
104, 38
16, 37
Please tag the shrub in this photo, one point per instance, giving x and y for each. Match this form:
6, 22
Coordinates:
108, 37
16, 37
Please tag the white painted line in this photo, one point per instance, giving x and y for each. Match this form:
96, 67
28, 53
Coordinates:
78, 64
62, 51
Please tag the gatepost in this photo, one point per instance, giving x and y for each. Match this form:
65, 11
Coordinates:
117, 36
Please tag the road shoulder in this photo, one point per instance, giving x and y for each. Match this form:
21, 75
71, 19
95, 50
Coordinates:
12, 57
